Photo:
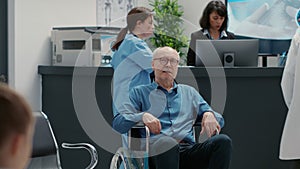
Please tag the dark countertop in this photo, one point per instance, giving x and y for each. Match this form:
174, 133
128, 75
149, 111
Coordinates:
197, 71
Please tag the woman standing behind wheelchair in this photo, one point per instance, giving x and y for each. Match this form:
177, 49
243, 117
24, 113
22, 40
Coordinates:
132, 56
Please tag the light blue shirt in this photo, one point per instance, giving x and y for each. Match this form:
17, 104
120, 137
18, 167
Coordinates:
132, 66
177, 110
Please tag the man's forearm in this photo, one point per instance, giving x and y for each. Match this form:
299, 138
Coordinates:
124, 122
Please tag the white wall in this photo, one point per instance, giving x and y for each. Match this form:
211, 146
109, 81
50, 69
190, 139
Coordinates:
30, 24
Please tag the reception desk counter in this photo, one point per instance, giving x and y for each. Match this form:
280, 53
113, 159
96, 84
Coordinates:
249, 98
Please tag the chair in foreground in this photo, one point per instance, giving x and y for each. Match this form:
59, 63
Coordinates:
45, 152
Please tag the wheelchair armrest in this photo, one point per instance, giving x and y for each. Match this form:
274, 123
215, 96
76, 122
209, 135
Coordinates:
90, 148
197, 124
139, 125
197, 128
147, 131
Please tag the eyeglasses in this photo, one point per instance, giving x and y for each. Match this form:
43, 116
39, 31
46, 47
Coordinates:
164, 61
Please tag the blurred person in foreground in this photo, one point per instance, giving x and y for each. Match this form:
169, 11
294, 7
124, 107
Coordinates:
16, 129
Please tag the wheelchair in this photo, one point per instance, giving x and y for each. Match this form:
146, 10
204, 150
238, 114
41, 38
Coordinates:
125, 158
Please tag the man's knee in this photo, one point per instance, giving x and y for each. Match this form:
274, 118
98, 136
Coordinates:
223, 138
163, 145
223, 141
166, 141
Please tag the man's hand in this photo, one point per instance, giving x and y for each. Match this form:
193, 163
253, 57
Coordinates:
209, 124
152, 123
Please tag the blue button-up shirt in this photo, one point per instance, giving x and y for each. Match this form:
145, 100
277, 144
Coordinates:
176, 109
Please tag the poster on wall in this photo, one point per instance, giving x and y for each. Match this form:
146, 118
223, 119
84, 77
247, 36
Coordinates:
268, 19
113, 12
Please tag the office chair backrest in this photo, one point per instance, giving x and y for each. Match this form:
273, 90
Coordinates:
43, 139
45, 152
44, 148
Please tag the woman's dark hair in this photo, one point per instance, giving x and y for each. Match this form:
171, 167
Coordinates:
134, 15
220, 8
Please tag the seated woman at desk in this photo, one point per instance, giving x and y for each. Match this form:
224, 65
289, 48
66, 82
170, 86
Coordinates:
214, 26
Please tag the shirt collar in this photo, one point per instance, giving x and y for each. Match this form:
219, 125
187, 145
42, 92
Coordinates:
156, 86
134, 35
206, 32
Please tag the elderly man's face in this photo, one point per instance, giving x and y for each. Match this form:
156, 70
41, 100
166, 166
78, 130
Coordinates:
165, 64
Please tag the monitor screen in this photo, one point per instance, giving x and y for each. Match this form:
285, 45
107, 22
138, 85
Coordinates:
270, 47
265, 19
234, 52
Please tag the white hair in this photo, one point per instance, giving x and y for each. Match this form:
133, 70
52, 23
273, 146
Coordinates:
161, 50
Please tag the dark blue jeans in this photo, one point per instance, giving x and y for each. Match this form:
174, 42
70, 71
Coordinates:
214, 153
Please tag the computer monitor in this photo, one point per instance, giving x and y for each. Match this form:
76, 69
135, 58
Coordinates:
259, 18
227, 53
269, 47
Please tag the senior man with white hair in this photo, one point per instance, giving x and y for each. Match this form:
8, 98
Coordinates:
169, 110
